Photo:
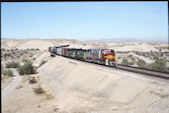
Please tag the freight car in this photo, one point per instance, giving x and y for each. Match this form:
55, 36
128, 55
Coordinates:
100, 56
52, 50
56, 50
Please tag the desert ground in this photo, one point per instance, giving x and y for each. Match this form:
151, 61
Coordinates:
71, 86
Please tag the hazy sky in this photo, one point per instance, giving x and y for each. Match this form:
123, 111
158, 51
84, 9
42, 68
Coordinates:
85, 20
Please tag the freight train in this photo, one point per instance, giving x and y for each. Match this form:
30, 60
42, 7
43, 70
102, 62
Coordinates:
100, 56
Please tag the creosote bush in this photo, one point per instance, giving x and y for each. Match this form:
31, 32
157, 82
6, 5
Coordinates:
27, 68
38, 91
12, 64
7, 55
3, 49
7, 72
159, 64
124, 61
141, 63
130, 56
25, 60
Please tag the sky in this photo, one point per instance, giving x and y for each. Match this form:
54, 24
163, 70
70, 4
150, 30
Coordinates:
85, 20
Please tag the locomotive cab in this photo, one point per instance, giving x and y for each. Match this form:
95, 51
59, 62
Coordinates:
109, 57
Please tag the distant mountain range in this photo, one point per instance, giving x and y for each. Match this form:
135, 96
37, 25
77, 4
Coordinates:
132, 40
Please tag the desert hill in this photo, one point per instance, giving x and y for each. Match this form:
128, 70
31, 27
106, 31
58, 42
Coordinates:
43, 44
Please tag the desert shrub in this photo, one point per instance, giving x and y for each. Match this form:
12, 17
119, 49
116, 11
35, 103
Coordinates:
38, 90
31, 55
141, 63
25, 60
12, 50
159, 64
18, 87
32, 81
21, 70
130, 56
125, 61
7, 72
42, 62
34, 59
32, 49
7, 54
27, 68
155, 57
12, 64
133, 59
119, 57
3, 49
131, 63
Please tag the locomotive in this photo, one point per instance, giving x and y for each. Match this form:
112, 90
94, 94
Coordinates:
100, 56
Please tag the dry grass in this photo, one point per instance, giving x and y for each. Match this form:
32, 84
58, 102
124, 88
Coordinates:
32, 80
6, 79
18, 87
38, 90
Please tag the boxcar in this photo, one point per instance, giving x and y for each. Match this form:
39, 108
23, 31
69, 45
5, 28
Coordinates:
59, 51
64, 51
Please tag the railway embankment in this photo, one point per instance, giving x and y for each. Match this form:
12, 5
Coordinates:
81, 87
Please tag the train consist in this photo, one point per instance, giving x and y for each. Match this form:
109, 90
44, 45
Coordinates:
100, 56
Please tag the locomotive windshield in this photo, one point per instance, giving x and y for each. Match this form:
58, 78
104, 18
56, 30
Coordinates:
106, 51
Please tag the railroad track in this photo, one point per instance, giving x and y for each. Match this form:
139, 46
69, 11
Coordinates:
148, 72
154, 73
